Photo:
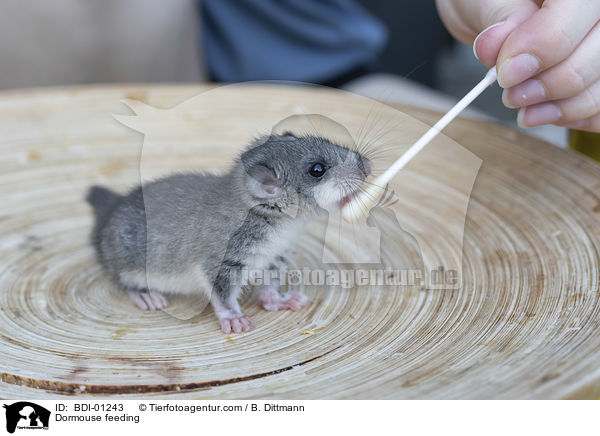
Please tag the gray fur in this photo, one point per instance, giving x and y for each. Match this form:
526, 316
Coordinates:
217, 223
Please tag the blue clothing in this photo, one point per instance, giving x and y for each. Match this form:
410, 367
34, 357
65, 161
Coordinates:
301, 40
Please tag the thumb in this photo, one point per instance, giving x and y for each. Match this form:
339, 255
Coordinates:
498, 21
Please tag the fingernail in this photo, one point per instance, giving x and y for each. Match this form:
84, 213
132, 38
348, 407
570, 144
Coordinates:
517, 69
505, 100
520, 115
481, 33
524, 94
575, 124
545, 113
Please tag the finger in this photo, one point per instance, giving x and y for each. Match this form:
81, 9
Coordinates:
466, 19
457, 18
584, 105
568, 78
545, 39
498, 22
591, 124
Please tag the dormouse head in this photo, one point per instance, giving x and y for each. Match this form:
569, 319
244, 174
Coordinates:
295, 168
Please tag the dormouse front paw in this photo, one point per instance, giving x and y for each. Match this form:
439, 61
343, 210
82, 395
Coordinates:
236, 325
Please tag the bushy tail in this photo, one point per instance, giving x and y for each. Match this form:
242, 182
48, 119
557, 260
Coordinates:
102, 200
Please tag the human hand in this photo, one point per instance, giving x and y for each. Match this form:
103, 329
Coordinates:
547, 53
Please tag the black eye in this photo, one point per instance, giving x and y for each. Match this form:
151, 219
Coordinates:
317, 170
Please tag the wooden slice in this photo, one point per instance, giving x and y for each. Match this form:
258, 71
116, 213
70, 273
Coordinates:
522, 324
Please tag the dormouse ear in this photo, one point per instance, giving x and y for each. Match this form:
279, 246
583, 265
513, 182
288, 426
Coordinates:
262, 182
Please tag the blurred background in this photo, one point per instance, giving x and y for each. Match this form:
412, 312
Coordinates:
393, 51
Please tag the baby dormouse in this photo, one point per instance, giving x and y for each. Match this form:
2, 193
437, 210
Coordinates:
187, 233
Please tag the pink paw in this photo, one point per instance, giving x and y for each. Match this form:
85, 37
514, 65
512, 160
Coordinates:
150, 301
236, 325
292, 300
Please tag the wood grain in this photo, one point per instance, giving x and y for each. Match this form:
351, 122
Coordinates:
524, 323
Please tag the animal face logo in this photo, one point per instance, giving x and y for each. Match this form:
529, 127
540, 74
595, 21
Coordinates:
25, 415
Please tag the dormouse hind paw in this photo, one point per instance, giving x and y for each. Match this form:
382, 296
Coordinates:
272, 299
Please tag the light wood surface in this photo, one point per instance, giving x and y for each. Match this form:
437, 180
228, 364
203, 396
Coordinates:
523, 324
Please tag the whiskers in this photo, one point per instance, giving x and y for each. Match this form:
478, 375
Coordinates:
381, 137
365, 196
368, 195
